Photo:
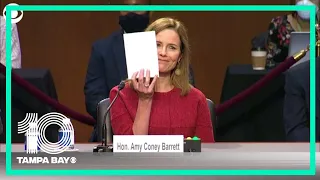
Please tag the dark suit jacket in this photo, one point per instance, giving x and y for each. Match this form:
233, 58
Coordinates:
107, 68
297, 103
1, 126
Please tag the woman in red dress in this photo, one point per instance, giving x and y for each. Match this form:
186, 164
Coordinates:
168, 104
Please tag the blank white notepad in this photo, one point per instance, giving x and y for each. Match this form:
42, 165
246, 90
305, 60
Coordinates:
141, 52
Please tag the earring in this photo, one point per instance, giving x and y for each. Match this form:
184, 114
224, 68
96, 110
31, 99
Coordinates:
177, 72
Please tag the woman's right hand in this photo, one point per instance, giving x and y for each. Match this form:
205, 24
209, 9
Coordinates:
142, 86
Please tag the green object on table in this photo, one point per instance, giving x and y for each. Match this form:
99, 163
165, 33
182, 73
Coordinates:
195, 138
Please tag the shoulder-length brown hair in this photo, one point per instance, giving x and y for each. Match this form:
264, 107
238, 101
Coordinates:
182, 80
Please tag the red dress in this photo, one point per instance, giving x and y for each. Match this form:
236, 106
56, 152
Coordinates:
171, 114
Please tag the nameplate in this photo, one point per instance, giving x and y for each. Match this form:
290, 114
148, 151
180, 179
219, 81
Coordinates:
148, 143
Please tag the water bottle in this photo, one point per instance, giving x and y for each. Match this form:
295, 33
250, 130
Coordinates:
68, 133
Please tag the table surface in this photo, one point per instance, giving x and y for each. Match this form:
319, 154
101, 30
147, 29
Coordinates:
213, 156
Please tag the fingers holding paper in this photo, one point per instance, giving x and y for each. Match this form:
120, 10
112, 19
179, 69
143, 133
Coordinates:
147, 79
143, 85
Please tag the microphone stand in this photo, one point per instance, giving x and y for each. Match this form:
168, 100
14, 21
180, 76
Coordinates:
106, 145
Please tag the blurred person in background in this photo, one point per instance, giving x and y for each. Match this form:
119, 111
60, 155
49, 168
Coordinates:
107, 65
15, 45
296, 112
280, 29
1, 125
15, 49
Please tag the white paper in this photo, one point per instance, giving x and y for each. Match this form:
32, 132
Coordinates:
141, 52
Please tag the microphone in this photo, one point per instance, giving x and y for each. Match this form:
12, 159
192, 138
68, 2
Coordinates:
106, 134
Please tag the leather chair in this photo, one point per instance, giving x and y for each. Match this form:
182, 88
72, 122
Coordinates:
211, 106
103, 106
101, 112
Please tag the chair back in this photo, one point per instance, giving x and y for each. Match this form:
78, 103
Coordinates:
102, 110
211, 106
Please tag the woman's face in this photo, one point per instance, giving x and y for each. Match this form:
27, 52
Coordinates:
305, 14
168, 44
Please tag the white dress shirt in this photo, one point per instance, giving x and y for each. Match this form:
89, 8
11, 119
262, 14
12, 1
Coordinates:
16, 51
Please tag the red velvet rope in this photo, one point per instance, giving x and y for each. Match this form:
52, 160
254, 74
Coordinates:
90, 121
257, 86
48, 100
